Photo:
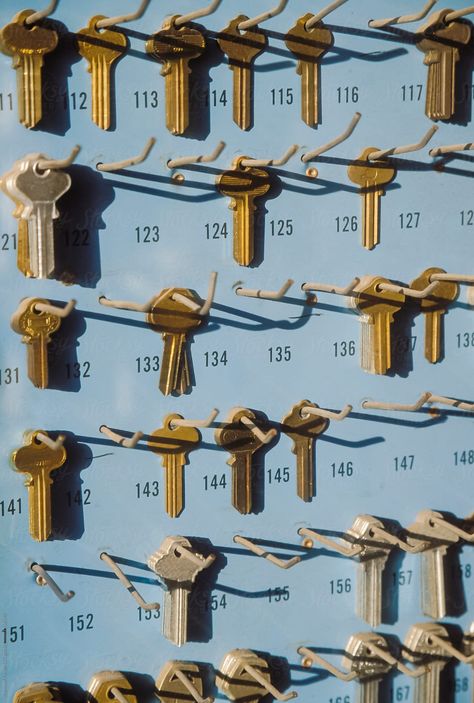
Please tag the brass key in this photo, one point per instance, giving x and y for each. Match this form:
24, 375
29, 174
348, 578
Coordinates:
173, 444
27, 46
36, 328
101, 49
309, 46
433, 308
242, 48
175, 321
38, 693
304, 432
242, 444
371, 176
39, 461
244, 185
441, 44
176, 47
378, 309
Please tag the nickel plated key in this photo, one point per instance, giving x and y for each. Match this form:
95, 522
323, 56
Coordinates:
370, 668
420, 648
105, 684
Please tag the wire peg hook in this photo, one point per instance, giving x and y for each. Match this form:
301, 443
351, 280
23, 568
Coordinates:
260, 679
196, 423
190, 687
352, 550
406, 290
41, 14
55, 310
260, 163
402, 407
403, 19
450, 649
53, 444
196, 14
313, 155
44, 579
127, 583
56, 164
452, 402
438, 520
121, 19
266, 294
310, 657
309, 410
260, 552
406, 148
250, 23
202, 159
264, 437
128, 443
133, 161
451, 149
329, 288
324, 13
457, 14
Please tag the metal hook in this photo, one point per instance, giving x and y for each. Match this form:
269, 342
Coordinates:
324, 13
120, 19
248, 24
256, 674
403, 407
404, 19
384, 535
312, 155
259, 163
264, 437
457, 14
351, 551
437, 519
55, 164
453, 277
133, 161
127, 583
260, 552
387, 657
308, 410
203, 12
44, 579
54, 310
188, 684
196, 423
328, 288
266, 294
448, 647
406, 149
202, 159
452, 402
182, 550
316, 659
52, 444
440, 150
406, 290
129, 443
37, 16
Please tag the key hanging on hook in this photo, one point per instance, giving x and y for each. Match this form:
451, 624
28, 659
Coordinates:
106, 686
180, 681
244, 674
197, 14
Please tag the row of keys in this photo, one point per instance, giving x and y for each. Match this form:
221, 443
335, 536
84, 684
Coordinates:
177, 46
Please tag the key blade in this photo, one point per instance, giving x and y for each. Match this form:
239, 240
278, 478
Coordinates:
175, 615
447, 68
309, 72
242, 95
41, 239
369, 691
177, 74
174, 468
101, 66
29, 89
433, 584
371, 217
434, 335
37, 360
303, 448
171, 362
369, 589
39, 507
381, 343
241, 465
427, 687
244, 230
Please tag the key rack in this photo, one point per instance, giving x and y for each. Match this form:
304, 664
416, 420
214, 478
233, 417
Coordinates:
147, 212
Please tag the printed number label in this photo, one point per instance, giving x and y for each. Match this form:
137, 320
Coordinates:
461, 685
13, 634
467, 218
6, 102
278, 355
279, 594
214, 603
216, 358
216, 230
340, 699
412, 93
348, 94
280, 475
339, 586
404, 345
78, 370
462, 571
10, 507
145, 99
78, 623
282, 96
8, 242
77, 238
281, 228
147, 364
347, 223
214, 482
78, 498
344, 470
465, 340
404, 463
401, 693
147, 614
409, 220
150, 489
149, 234
215, 98
347, 347
464, 458
402, 578
9, 376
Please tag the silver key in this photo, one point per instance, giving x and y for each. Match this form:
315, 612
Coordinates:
420, 649
369, 667
178, 566
39, 192
437, 541
245, 676
372, 562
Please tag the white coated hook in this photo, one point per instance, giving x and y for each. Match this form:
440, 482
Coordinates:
453, 277
198, 560
448, 647
312, 155
350, 551
52, 444
256, 674
120, 19
267, 294
324, 13
196, 423
308, 410
452, 402
406, 149
457, 14
258, 163
328, 288
202, 159
264, 437
404, 19
129, 443
385, 655
260, 552
403, 407
451, 148
54, 310
133, 161
248, 24
44, 579
37, 16
188, 684
203, 12
406, 290
438, 519
316, 659
127, 583
46, 164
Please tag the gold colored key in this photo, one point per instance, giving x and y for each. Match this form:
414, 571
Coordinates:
27, 46
38, 461
244, 184
101, 49
176, 47
104, 686
173, 444
242, 48
371, 176
38, 693
175, 321
378, 308
309, 46
442, 44
433, 308
36, 328
304, 431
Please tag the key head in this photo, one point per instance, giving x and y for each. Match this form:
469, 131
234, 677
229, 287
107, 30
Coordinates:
35, 186
168, 315
31, 323
445, 293
368, 299
241, 47
359, 658
424, 532
418, 643
235, 682
176, 43
170, 689
36, 458
17, 38
101, 685
367, 174
457, 33
244, 181
235, 437
309, 45
178, 567
174, 440
38, 693
95, 43
296, 426
362, 531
